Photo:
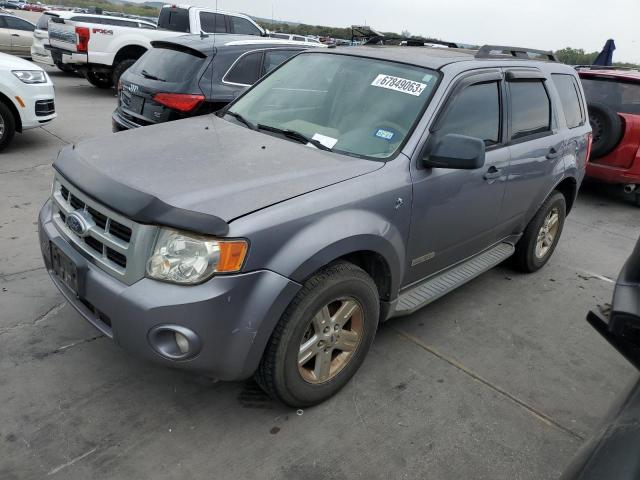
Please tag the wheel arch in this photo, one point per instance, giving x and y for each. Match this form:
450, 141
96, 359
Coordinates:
14, 110
132, 52
568, 186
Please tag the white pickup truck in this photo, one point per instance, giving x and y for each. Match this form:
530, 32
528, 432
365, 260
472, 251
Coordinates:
104, 52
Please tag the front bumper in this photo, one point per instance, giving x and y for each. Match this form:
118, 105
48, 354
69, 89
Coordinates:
233, 316
31, 94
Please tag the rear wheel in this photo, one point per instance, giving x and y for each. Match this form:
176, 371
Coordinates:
64, 68
322, 338
120, 68
607, 129
100, 80
7, 126
541, 236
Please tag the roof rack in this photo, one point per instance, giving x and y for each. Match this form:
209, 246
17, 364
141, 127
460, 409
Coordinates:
603, 67
488, 51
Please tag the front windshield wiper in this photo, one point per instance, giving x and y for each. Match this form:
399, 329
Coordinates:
293, 135
242, 119
146, 74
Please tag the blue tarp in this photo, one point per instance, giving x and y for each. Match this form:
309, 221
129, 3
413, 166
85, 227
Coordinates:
605, 58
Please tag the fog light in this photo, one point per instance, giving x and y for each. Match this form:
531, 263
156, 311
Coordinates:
182, 342
174, 342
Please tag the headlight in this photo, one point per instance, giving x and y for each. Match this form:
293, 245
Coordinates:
186, 258
31, 76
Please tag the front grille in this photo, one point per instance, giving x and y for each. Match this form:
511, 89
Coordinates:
110, 240
45, 107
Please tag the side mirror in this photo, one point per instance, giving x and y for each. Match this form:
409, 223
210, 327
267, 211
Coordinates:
455, 151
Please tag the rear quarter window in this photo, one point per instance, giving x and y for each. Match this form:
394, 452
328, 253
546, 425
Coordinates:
571, 99
246, 70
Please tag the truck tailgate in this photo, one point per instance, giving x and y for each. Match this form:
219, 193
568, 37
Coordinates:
62, 35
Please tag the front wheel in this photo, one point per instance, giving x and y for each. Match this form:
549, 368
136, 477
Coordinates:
100, 80
322, 338
7, 126
541, 236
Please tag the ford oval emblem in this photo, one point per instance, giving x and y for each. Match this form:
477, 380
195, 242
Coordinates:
77, 224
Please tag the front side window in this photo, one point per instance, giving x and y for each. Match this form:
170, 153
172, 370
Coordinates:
530, 109
246, 70
570, 99
212, 22
244, 27
474, 112
359, 106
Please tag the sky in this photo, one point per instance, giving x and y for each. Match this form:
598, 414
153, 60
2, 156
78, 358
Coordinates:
544, 24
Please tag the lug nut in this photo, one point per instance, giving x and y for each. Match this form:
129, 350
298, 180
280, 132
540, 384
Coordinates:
326, 329
320, 343
336, 328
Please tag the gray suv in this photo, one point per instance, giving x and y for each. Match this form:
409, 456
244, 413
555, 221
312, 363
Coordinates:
345, 188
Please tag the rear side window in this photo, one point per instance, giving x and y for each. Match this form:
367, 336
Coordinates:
168, 65
570, 97
212, 22
475, 112
273, 59
174, 19
298, 38
244, 26
530, 109
246, 70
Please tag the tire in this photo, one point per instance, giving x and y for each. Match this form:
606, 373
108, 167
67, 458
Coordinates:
529, 256
607, 129
339, 285
100, 80
637, 199
7, 126
122, 67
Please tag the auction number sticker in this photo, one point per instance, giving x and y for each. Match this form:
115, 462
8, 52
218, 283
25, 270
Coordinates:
399, 84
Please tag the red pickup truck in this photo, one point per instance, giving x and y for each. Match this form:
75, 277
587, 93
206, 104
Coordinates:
613, 97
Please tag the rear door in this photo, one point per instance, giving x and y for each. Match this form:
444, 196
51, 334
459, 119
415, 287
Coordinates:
537, 146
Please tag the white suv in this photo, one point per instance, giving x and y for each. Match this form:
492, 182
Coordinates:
27, 99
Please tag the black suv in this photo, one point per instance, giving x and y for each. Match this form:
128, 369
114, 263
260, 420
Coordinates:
194, 75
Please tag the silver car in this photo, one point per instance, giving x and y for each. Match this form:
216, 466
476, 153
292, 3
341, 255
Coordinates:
16, 35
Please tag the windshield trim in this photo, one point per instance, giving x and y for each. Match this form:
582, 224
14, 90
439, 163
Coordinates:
437, 73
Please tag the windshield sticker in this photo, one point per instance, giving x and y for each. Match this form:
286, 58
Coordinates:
328, 142
399, 84
384, 134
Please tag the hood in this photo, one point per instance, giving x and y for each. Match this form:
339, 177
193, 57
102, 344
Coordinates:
202, 167
9, 62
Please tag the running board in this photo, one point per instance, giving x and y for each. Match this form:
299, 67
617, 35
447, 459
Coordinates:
435, 287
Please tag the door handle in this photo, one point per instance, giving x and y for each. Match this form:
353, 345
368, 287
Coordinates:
553, 153
493, 173
15, 35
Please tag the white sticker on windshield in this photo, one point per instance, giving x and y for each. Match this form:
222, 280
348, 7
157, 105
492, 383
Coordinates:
328, 142
399, 84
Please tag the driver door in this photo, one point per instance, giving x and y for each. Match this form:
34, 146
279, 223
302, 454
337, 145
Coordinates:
455, 212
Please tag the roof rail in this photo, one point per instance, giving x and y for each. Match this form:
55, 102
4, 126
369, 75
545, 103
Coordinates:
487, 51
603, 67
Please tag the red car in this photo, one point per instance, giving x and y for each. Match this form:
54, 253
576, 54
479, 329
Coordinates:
34, 7
613, 98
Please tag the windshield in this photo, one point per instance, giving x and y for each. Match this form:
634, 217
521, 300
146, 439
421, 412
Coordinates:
623, 97
360, 106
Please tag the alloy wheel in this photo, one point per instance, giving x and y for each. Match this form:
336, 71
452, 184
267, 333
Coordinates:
547, 233
331, 340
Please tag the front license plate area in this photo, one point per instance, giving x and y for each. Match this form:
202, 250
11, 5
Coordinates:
64, 268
